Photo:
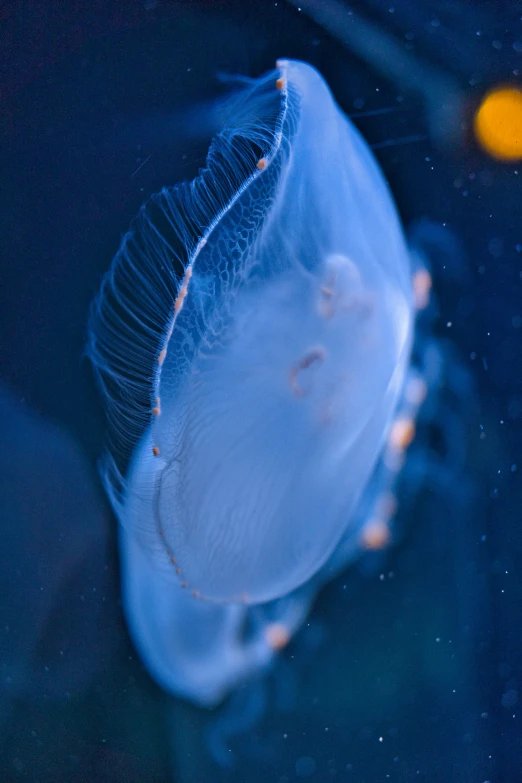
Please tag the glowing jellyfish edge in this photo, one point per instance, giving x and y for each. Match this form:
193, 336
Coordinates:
252, 342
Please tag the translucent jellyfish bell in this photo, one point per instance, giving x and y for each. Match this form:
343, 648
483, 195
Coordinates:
252, 336
272, 423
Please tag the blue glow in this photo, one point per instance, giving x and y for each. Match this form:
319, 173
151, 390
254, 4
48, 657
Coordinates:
252, 340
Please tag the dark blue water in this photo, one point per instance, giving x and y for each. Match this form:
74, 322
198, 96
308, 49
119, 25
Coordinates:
407, 670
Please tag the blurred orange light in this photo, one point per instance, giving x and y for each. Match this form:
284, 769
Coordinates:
498, 124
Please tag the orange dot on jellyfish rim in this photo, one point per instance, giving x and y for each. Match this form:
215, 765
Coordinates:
498, 124
375, 534
402, 433
277, 635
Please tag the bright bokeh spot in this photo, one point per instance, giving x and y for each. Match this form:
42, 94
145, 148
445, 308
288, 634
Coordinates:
498, 124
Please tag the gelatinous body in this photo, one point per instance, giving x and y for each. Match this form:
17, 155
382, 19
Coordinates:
56, 591
253, 341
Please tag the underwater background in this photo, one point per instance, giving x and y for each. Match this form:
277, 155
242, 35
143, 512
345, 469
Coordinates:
409, 666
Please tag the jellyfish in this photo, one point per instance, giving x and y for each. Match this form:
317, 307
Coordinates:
253, 341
